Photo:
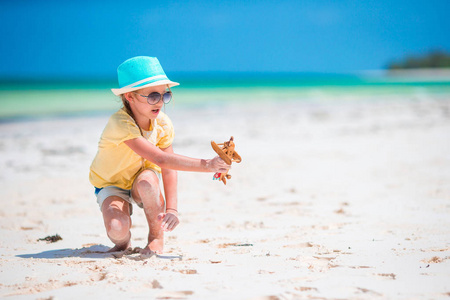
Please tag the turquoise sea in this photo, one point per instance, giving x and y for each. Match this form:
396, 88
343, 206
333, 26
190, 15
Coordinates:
43, 99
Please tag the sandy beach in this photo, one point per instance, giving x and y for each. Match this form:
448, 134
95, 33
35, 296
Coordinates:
345, 198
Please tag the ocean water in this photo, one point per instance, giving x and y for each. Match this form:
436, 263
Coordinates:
23, 101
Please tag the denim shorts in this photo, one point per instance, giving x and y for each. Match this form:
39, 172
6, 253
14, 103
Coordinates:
108, 191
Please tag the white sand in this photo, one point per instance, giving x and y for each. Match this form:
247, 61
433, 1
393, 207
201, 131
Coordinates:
344, 199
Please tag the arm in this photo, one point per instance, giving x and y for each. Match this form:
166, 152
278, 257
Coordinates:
170, 218
170, 160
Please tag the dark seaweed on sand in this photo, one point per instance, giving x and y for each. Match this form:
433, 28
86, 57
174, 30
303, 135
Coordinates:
51, 239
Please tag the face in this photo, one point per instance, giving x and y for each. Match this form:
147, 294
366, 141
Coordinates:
139, 104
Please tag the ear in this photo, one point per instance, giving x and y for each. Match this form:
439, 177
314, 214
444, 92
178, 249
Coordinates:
128, 96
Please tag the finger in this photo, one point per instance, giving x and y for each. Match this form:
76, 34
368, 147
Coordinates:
175, 224
172, 225
221, 162
169, 220
165, 223
161, 216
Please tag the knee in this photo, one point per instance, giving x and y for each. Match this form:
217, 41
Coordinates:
119, 226
147, 186
149, 194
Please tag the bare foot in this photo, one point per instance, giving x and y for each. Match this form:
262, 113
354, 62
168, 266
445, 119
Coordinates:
155, 246
120, 247
147, 251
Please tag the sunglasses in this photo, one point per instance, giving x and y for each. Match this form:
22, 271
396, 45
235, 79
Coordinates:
155, 97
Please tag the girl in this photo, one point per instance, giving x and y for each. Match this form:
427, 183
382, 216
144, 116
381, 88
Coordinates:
135, 149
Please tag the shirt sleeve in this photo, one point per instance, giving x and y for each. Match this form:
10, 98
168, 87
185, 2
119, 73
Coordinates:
120, 128
166, 132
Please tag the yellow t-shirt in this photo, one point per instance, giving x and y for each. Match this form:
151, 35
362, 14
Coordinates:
115, 163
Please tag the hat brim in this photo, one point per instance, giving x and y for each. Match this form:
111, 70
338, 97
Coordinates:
121, 91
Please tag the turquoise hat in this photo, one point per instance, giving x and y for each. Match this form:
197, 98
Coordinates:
140, 72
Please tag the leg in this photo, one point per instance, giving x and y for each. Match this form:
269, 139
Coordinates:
116, 216
146, 190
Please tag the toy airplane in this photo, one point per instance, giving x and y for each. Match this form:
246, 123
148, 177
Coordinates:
226, 152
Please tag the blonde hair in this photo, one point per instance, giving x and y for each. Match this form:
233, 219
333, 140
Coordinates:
127, 107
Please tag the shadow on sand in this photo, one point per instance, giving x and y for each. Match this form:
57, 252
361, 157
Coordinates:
94, 251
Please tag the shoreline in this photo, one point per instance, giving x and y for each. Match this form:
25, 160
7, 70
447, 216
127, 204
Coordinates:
25, 105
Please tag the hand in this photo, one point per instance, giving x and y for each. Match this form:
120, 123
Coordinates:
169, 221
217, 165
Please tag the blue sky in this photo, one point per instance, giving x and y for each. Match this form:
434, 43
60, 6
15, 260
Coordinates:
89, 39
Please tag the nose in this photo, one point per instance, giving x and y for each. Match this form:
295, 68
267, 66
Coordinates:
159, 104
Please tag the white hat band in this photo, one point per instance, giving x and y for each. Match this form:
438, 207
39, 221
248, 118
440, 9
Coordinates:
143, 81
